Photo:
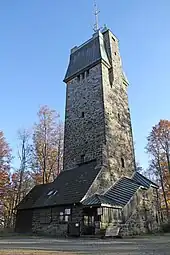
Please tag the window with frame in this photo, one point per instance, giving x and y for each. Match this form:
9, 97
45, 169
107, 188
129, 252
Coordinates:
105, 215
67, 211
61, 216
88, 220
119, 214
65, 216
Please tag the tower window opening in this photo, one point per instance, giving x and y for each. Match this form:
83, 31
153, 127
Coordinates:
82, 158
115, 53
110, 73
82, 114
118, 116
122, 162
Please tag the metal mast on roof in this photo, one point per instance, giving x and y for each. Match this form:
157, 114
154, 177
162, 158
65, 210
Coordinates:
96, 12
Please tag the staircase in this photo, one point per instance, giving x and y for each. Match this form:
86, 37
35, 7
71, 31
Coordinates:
112, 230
116, 229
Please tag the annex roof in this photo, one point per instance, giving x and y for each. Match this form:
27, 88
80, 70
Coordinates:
122, 191
68, 188
98, 200
142, 180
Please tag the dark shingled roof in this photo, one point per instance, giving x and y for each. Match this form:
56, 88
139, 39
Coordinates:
122, 191
98, 200
87, 55
29, 200
142, 180
118, 195
68, 188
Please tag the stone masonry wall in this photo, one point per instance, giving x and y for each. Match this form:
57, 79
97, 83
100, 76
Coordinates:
84, 119
119, 140
145, 216
52, 224
118, 145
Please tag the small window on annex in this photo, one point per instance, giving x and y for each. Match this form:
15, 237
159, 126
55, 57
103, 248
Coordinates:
68, 211
82, 75
65, 216
61, 216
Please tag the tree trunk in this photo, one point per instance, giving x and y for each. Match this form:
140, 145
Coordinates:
163, 190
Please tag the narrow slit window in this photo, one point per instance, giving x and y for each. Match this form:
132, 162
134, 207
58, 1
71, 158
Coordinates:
110, 74
82, 114
122, 162
82, 158
87, 73
78, 77
118, 116
82, 75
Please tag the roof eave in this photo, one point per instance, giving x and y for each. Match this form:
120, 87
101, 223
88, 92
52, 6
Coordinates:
100, 60
113, 206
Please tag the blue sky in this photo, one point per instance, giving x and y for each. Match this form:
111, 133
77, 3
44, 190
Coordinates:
35, 41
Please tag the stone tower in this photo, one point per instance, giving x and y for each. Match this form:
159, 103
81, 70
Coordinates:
97, 117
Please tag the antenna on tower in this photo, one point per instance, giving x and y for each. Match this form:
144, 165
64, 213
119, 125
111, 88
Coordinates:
96, 12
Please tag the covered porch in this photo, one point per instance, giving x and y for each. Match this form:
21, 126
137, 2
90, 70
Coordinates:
99, 213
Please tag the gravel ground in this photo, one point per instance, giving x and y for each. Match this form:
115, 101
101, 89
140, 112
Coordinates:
38, 252
151, 245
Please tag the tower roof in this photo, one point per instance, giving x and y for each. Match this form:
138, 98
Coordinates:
86, 56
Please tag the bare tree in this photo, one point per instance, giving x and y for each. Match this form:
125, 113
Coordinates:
23, 182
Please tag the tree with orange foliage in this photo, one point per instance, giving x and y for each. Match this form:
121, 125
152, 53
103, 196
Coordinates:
5, 160
158, 147
47, 146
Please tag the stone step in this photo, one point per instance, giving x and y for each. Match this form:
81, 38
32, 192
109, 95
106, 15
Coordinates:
112, 231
